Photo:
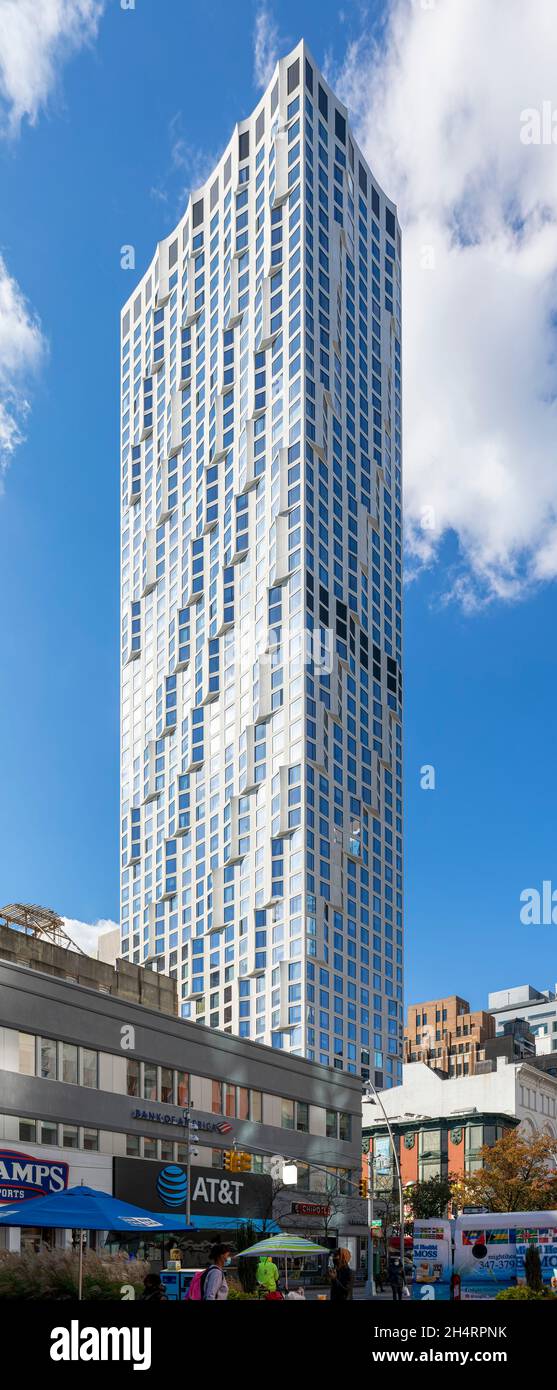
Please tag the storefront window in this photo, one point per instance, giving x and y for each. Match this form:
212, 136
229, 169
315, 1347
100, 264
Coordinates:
287, 1114
49, 1132
133, 1144
27, 1054
167, 1087
216, 1101
317, 1180
243, 1103
70, 1137
182, 1087
91, 1139
90, 1067
150, 1148
167, 1149
182, 1153
256, 1103
69, 1064
132, 1082
302, 1117
331, 1124
229, 1097
149, 1081
28, 1130
345, 1127
35, 1239
48, 1059
303, 1177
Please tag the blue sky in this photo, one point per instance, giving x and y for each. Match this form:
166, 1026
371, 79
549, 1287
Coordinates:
104, 157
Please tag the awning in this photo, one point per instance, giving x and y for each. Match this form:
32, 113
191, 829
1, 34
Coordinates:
216, 1223
231, 1223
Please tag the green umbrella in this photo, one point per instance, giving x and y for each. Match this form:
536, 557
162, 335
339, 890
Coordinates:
284, 1245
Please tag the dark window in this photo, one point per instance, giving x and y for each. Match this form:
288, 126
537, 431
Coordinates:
390, 222
340, 127
323, 103
293, 76
244, 145
362, 178
173, 254
214, 194
260, 127
309, 77
274, 98
198, 213
374, 201
228, 170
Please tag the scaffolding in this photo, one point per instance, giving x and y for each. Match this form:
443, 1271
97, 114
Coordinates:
41, 922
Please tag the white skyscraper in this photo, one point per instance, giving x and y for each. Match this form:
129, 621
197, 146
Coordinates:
261, 773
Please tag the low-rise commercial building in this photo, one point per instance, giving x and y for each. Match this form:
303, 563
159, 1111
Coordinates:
538, 1007
440, 1124
94, 1086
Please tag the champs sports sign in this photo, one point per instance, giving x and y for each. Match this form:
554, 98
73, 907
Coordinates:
22, 1175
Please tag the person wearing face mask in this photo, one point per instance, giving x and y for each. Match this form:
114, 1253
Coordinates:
215, 1287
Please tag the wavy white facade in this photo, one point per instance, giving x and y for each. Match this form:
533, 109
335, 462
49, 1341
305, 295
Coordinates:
261, 750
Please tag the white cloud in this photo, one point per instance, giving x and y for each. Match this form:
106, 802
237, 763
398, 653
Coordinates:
22, 348
439, 106
86, 934
36, 38
192, 164
265, 46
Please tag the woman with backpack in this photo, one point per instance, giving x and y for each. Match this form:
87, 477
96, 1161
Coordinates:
210, 1284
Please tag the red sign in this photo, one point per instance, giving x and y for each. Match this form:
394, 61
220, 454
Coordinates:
308, 1209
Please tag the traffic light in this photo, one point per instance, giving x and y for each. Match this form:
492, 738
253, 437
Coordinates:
230, 1160
244, 1162
362, 1187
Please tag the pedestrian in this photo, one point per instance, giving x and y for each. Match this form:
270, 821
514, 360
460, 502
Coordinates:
153, 1290
214, 1285
395, 1275
342, 1278
377, 1270
267, 1275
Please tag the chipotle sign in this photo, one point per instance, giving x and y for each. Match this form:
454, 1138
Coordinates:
309, 1209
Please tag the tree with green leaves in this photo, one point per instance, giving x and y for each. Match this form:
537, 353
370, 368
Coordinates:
430, 1199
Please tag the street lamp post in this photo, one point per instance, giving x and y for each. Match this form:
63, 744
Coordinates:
370, 1281
191, 1126
374, 1098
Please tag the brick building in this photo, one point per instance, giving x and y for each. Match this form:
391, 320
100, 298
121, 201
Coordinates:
445, 1035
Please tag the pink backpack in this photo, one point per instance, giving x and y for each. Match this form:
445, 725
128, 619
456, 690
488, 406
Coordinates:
195, 1290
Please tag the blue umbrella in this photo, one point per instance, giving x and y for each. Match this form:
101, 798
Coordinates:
84, 1209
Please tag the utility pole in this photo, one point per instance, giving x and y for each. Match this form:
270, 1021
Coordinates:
191, 1125
375, 1099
